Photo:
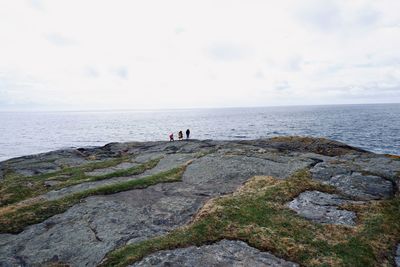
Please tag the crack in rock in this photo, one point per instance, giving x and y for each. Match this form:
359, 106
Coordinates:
94, 231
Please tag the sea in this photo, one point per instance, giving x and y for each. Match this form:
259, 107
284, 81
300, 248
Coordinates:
374, 127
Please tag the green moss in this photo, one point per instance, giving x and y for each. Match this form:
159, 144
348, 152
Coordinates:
15, 220
257, 214
16, 188
130, 171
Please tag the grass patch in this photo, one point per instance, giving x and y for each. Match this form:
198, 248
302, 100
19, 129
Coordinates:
79, 176
15, 219
204, 153
257, 214
16, 188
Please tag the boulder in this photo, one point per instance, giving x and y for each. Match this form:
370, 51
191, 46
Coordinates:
322, 208
364, 187
222, 253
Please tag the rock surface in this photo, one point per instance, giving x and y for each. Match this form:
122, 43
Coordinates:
355, 180
223, 253
363, 187
168, 162
121, 166
322, 208
86, 232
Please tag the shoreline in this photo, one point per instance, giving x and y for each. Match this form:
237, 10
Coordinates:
89, 147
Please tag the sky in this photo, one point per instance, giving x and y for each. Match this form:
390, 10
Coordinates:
95, 54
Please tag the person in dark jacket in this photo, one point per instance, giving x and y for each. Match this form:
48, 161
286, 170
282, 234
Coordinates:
180, 135
187, 133
171, 137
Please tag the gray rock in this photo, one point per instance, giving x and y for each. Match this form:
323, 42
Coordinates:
37, 168
324, 171
373, 164
322, 208
70, 162
351, 179
121, 166
51, 183
320, 146
316, 157
144, 157
86, 232
44, 163
364, 187
165, 164
397, 259
223, 253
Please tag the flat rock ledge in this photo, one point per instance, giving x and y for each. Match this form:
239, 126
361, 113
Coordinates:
356, 181
223, 253
322, 208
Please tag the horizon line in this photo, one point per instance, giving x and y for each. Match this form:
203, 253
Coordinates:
190, 108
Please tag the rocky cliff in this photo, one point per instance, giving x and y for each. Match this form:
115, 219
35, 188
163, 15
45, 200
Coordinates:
285, 201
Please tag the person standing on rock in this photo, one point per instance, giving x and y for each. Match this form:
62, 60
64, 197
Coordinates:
187, 133
171, 137
180, 135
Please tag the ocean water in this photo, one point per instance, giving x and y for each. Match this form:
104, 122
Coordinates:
373, 127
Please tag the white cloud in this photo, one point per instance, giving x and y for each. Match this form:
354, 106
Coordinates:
227, 51
161, 54
58, 39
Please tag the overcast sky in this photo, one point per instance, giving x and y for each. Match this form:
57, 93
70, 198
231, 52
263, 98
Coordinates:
179, 54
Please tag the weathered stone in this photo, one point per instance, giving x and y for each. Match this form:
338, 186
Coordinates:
316, 157
322, 208
324, 171
364, 187
51, 183
104, 171
353, 180
71, 162
37, 168
373, 164
320, 146
86, 232
144, 157
43, 163
166, 163
397, 259
223, 253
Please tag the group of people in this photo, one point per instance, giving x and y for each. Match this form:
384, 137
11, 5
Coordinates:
180, 135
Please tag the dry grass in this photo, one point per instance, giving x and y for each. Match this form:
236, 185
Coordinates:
396, 157
256, 213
